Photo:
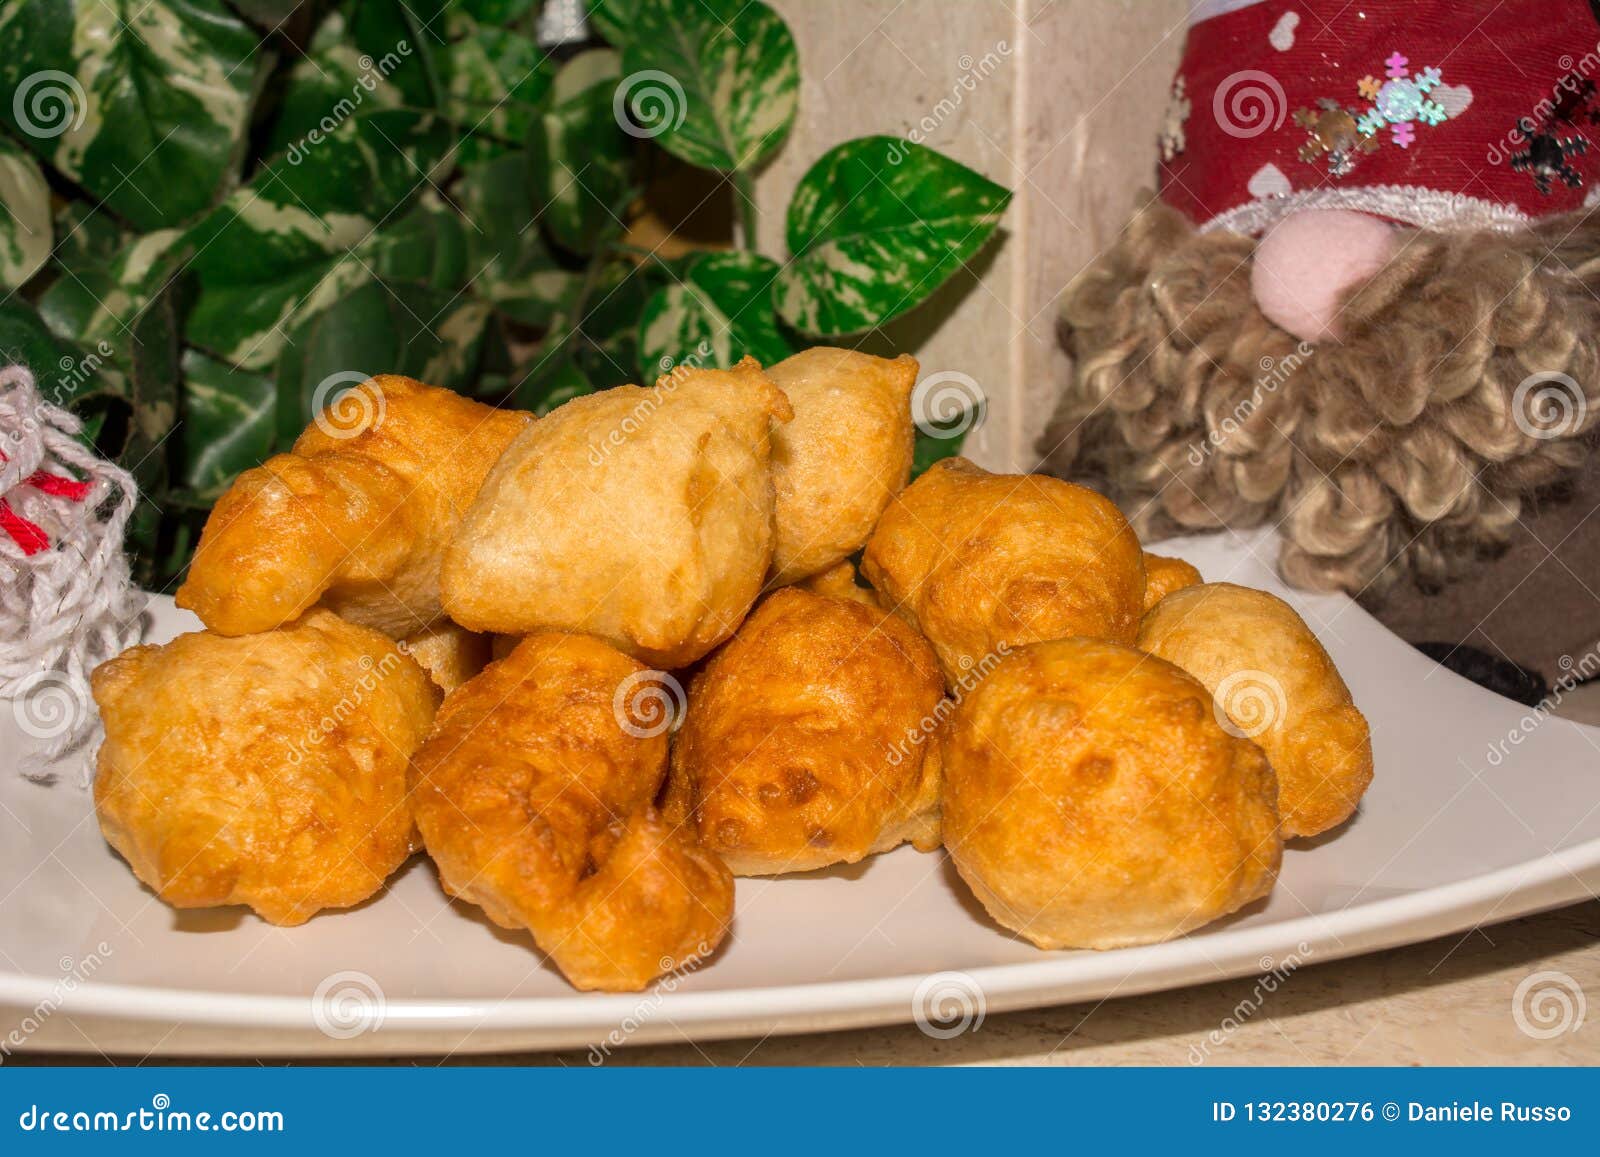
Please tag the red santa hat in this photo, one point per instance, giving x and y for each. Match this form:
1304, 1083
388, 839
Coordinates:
1435, 113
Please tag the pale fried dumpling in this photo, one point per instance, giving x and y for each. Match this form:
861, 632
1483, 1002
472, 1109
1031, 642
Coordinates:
978, 560
267, 769
845, 455
643, 516
448, 653
354, 517
1275, 683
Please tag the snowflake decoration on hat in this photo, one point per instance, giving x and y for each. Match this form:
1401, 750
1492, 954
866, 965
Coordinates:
1401, 101
1398, 103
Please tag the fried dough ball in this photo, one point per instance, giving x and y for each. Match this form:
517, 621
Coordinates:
534, 796
1277, 685
643, 516
267, 770
354, 517
1163, 575
1092, 800
975, 559
449, 654
839, 581
806, 738
847, 452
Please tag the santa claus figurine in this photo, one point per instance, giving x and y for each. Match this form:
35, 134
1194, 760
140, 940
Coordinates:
1363, 310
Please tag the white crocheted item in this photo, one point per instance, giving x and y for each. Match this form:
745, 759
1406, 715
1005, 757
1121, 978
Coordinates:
66, 600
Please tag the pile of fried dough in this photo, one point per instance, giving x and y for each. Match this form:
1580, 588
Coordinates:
433, 624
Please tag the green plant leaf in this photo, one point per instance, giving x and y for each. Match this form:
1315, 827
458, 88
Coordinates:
405, 40
26, 235
428, 246
554, 379
718, 313
498, 11
511, 265
613, 18
333, 81
66, 375
498, 80
227, 423
283, 248
93, 301
715, 82
578, 157
875, 226
141, 103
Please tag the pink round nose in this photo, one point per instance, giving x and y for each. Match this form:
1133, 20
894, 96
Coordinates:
1307, 262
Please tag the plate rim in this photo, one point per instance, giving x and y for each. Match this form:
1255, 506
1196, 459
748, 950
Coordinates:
842, 998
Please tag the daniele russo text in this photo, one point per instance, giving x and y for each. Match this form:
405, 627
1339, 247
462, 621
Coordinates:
1482, 1111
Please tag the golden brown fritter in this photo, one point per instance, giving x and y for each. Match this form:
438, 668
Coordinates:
449, 654
847, 452
267, 770
1276, 684
1092, 800
534, 796
975, 559
1163, 575
806, 738
354, 517
643, 516
839, 581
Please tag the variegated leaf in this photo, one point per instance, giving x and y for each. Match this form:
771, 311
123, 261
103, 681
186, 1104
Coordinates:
715, 82
280, 250
100, 301
227, 423
332, 82
498, 79
875, 226
405, 40
612, 19
578, 155
511, 265
141, 103
721, 311
25, 231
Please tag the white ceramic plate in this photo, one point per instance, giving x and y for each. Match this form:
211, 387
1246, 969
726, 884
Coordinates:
1449, 836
